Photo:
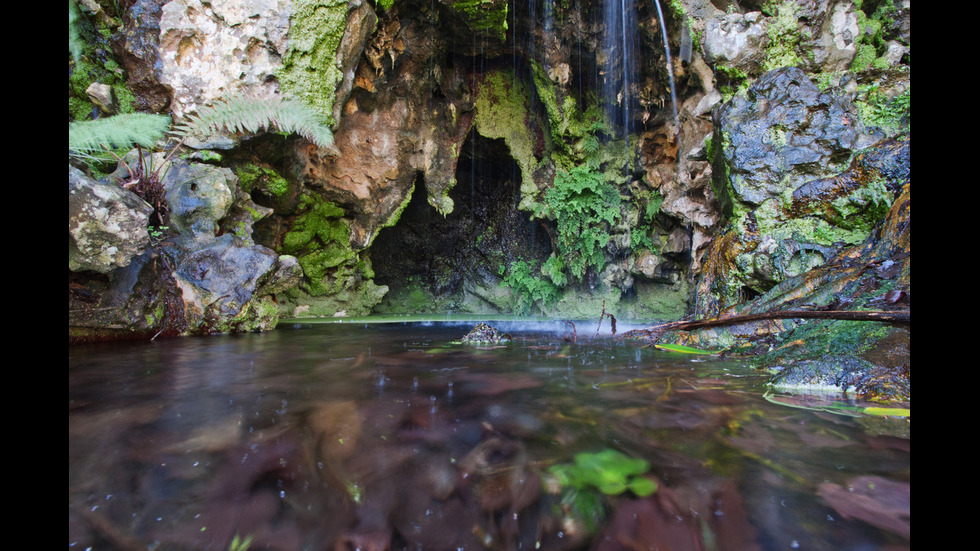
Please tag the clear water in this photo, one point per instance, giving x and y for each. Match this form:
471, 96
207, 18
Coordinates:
375, 436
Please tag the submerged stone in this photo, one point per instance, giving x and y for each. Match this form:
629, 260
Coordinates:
483, 333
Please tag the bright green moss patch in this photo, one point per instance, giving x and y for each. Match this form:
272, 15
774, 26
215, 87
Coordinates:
252, 177
502, 112
487, 17
310, 70
320, 239
784, 38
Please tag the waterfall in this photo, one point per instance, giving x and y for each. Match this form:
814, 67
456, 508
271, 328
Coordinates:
619, 45
670, 64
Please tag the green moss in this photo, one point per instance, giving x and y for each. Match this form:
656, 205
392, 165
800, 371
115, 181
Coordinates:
862, 208
95, 65
567, 126
784, 37
502, 112
485, 17
310, 70
255, 177
833, 338
443, 203
864, 57
873, 20
320, 240
772, 219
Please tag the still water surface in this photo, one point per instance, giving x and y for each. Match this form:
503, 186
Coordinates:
389, 436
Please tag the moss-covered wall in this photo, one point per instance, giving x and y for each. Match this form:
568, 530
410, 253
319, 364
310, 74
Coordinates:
310, 70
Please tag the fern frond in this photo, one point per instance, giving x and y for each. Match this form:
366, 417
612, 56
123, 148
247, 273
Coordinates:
74, 37
118, 131
251, 115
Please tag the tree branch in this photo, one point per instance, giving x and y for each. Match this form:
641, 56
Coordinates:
895, 317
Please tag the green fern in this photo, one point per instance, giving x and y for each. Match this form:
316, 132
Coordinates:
251, 115
584, 205
118, 131
74, 37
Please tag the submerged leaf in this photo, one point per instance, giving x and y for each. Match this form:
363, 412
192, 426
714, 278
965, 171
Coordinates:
643, 486
891, 412
610, 471
685, 349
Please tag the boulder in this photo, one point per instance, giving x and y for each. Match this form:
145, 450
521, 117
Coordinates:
106, 224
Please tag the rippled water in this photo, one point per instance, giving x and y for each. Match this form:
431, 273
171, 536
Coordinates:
375, 436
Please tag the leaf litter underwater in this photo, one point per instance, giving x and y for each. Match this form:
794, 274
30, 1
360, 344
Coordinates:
397, 436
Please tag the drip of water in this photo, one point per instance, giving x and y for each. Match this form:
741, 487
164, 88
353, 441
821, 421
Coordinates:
670, 64
686, 43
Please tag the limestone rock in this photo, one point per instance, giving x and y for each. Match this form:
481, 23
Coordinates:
218, 48
204, 275
483, 333
106, 224
218, 281
137, 44
199, 196
736, 40
837, 43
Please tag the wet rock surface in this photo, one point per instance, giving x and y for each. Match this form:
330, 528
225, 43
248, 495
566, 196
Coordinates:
201, 274
483, 333
782, 132
869, 358
106, 224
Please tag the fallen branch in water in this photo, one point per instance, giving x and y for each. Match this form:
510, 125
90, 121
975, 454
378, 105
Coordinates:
896, 317
574, 333
612, 320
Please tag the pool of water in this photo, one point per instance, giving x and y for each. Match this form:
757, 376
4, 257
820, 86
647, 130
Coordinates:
390, 436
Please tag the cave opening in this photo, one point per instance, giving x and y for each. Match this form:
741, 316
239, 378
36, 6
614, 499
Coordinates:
455, 263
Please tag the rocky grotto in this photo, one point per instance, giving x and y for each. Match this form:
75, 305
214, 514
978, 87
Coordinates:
692, 159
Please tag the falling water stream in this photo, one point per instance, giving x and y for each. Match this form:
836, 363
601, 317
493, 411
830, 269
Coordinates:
391, 435
670, 63
619, 17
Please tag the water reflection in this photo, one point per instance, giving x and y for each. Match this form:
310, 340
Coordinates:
389, 436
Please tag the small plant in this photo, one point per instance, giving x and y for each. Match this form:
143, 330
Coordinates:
240, 544
530, 287
246, 114
584, 205
157, 232
592, 475
609, 471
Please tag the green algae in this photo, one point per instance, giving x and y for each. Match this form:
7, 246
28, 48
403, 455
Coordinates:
502, 111
310, 72
320, 240
253, 177
484, 17
784, 38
